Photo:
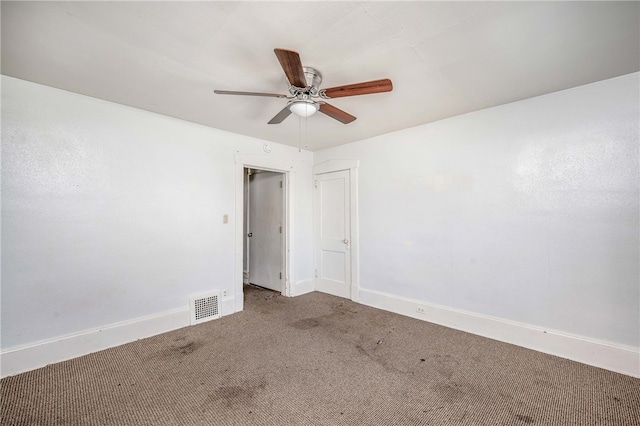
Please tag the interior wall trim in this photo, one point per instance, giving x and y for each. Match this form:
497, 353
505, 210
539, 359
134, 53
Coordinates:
610, 356
272, 164
302, 287
29, 357
335, 165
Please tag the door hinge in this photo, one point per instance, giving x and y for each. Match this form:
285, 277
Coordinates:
315, 183
280, 275
281, 229
280, 184
316, 273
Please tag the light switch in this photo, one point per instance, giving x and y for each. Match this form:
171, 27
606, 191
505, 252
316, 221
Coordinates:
225, 218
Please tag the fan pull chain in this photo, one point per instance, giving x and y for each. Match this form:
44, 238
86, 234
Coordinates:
299, 134
306, 133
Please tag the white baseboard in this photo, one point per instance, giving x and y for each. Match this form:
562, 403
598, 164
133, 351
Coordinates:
302, 287
228, 306
619, 358
333, 287
615, 357
39, 354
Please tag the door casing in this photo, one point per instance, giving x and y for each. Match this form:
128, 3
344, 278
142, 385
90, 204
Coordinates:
273, 164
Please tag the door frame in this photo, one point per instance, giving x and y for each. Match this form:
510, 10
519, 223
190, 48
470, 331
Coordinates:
246, 275
271, 164
352, 167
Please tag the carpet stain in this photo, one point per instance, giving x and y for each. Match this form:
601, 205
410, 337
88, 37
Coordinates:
339, 315
379, 360
189, 348
180, 350
449, 392
235, 395
379, 342
525, 419
305, 324
446, 365
343, 309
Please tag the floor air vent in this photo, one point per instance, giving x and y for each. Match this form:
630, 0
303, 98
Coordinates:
204, 307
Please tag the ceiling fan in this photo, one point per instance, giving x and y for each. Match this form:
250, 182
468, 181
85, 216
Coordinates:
305, 96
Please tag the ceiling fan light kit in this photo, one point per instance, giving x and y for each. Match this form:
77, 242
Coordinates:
303, 108
304, 89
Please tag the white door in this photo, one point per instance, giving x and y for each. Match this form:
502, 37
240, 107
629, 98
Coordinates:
265, 228
333, 230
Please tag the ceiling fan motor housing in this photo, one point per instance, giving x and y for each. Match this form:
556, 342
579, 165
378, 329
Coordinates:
314, 78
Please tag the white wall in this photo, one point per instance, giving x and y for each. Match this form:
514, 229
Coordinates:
526, 212
110, 213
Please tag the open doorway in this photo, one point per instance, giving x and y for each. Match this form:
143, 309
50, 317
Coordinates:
264, 227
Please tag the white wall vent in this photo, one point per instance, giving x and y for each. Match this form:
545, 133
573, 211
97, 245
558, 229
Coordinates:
204, 307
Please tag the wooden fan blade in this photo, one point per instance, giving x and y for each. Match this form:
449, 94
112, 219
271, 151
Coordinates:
336, 113
279, 118
233, 92
375, 86
292, 66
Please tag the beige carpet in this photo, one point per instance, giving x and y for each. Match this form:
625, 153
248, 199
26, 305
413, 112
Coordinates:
318, 360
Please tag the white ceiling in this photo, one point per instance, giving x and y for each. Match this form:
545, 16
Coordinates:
444, 58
